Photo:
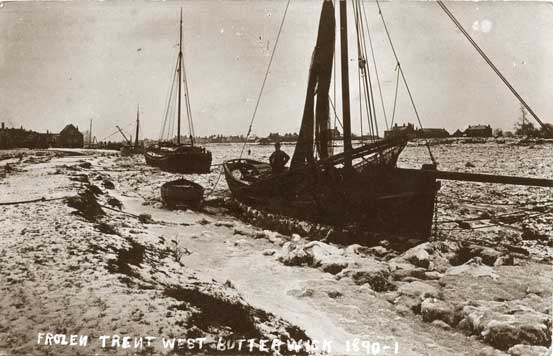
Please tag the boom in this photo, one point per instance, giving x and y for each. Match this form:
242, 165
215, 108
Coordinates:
484, 178
125, 137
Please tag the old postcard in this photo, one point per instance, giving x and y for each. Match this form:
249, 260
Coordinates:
276, 177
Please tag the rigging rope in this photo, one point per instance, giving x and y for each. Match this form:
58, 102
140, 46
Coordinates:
363, 71
265, 78
336, 118
404, 80
368, 86
260, 93
191, 131
371, 107
490, 63
395, 98
374, 63
168, 100
359, 68
115, 132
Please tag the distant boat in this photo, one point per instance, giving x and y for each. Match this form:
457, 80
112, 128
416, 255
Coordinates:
179, 157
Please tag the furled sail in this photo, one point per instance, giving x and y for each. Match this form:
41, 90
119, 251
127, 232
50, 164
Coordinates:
315, 127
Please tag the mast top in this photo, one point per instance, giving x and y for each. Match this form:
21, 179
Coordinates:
179, 69
180, 38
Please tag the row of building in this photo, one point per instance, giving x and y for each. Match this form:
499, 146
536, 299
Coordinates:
410, 131
69, 137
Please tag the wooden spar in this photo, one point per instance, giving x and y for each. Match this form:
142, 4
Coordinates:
137, 126
123, 134
483, 178
345, 83
180, 78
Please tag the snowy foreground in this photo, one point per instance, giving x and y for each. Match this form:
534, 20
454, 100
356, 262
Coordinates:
101, 267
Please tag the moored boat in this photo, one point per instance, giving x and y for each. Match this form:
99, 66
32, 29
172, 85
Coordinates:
360, 188
179, 157
182, 193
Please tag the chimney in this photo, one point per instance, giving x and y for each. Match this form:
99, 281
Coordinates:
3, 126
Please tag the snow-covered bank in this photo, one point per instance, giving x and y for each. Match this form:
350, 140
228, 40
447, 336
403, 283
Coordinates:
186, 274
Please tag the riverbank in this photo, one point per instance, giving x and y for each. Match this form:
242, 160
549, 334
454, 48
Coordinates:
111, 260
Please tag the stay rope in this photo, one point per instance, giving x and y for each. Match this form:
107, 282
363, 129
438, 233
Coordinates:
374, 63
168, 100
265, 78
490, 63
116, 132
395, 99
258, 97
367, 83
404, 79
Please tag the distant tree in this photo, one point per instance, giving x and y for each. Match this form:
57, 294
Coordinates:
498, 133
508, 134
546, 131
524, 127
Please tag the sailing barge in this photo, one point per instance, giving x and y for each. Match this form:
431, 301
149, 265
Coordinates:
179, 157
359, 189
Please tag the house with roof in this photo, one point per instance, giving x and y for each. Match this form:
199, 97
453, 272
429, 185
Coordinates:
70, 137
457, 133
432, 133
479, 131
403, 130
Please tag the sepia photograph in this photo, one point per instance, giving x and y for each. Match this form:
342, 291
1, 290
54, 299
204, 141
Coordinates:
276, 177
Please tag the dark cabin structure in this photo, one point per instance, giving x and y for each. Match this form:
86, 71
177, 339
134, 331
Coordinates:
479, 131
70, 137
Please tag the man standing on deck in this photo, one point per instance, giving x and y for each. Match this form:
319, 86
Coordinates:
278, 159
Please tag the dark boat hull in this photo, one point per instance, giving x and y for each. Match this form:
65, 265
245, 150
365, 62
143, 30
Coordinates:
181, 160
182, 193
127, 151
379, 200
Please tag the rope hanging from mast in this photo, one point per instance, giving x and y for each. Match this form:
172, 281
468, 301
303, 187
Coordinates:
490, 63
359, 75
374, 63
191, 131
168, 100
364, 72
365, 69
265, 77
395, 98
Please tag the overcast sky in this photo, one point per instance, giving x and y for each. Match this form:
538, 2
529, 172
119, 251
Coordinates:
68, 62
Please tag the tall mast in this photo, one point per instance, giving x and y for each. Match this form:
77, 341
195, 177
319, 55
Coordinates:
345, 82
137, 126
180, 77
